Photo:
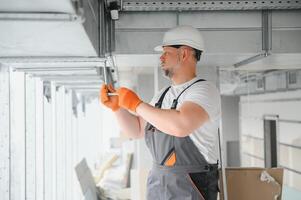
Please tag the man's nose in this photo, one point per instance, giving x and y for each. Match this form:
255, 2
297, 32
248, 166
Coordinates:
162, 57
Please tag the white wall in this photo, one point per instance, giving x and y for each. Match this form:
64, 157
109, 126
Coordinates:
287, 105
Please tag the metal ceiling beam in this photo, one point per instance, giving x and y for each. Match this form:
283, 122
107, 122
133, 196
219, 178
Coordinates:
34, 16
266, 30
68, 77
78, 81
49, 71
93, 82
50, 59
143, 30
70, 80
53, 60
199, 5
59, 70
71, 76
60, 73
55, 69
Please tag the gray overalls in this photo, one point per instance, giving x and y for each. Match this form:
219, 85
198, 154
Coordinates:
180, 171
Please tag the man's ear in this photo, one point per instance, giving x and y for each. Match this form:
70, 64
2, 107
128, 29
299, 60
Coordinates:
185, 54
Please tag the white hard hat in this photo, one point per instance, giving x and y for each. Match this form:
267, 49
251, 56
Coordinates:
182, 35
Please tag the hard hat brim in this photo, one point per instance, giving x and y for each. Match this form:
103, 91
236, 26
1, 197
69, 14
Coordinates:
158, 48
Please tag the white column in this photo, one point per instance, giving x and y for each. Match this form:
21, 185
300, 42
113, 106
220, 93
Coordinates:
30, 139
76, 191
68, 144
39, 140
17, 135
53, 141
4, 133
48, 149
60, 141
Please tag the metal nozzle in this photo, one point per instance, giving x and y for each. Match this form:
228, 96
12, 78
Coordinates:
112, 94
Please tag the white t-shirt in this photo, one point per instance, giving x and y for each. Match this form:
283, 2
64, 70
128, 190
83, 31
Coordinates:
206, 95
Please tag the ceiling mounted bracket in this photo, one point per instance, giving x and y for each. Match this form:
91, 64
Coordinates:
266, 40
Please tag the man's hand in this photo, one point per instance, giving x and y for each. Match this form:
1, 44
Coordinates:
109, 101
128, 99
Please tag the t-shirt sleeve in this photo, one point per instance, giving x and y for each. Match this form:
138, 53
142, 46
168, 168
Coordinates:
206, 95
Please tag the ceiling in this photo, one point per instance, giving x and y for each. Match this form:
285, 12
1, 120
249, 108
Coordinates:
230, 37
42, 28
44, 38
50, 34
57, 6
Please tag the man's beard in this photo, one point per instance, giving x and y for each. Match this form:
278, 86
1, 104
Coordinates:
168, 73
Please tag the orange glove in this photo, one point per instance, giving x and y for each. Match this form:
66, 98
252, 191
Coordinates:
109, 101
128, 99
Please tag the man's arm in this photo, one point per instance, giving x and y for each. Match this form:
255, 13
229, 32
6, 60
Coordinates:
131, 125
179, 123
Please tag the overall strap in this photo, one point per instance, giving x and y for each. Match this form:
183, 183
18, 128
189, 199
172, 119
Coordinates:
175, 101
159, 103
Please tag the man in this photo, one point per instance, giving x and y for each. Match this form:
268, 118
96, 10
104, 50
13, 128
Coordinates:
180, 125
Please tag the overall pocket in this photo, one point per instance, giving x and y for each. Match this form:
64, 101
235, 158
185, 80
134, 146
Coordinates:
170, 158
